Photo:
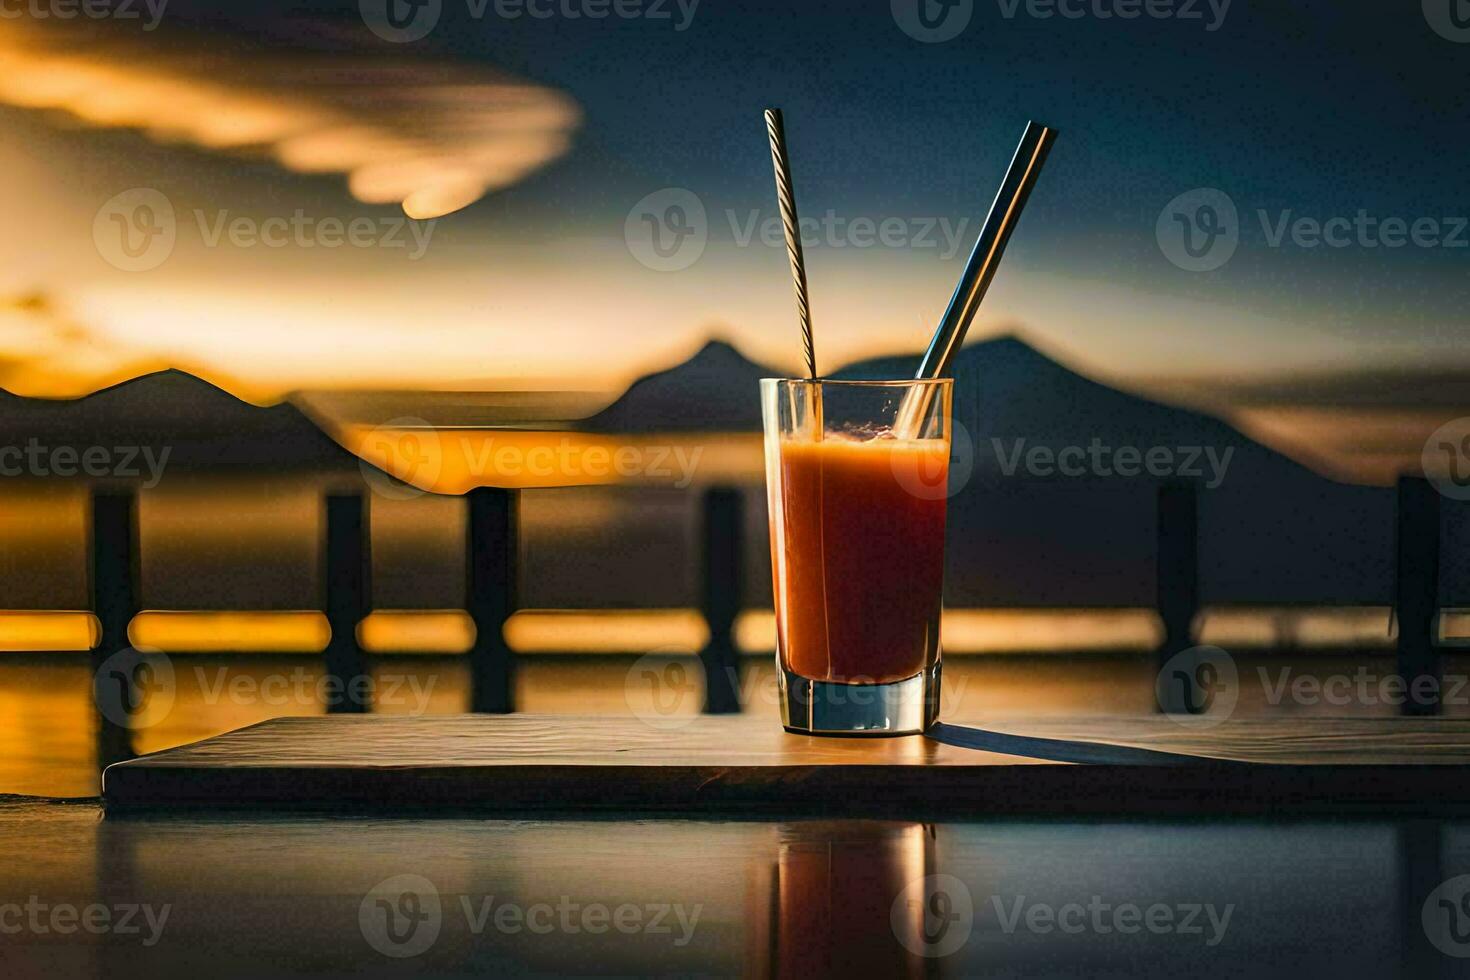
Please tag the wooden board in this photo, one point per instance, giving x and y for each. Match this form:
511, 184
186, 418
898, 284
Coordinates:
739, 763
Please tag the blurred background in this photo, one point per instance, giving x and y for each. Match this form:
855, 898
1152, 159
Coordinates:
258, 257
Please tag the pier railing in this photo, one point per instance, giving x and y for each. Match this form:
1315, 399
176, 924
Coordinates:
492, 548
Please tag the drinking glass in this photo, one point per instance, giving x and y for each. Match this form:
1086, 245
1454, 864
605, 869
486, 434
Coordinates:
857, 482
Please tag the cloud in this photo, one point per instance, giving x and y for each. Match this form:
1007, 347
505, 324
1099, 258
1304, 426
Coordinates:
45, 353
433, 136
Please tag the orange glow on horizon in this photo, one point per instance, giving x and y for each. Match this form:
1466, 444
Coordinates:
48, 631
453, 461
606, 631
296, 631
543, 631
437, 631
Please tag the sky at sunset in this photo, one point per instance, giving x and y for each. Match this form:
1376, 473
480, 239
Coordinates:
552, 142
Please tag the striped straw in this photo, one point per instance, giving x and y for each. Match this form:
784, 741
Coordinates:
781, 160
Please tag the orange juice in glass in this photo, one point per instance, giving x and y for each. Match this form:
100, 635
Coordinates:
856, 476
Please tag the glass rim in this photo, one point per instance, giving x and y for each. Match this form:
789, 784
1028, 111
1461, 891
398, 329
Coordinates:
855, 383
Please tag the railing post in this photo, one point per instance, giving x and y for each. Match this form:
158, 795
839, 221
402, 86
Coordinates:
1416, 598
1177, 566
347, 601
493, 551
115, 591
723, 591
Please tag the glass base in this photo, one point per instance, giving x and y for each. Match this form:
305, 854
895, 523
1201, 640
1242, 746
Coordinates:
906, 707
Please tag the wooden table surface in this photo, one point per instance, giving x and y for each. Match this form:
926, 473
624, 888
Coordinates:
737, 763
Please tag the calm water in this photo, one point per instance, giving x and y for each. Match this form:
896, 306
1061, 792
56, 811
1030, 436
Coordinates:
48, 721
313, 895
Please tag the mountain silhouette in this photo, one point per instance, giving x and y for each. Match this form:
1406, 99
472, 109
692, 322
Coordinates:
203, 427
714, 391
